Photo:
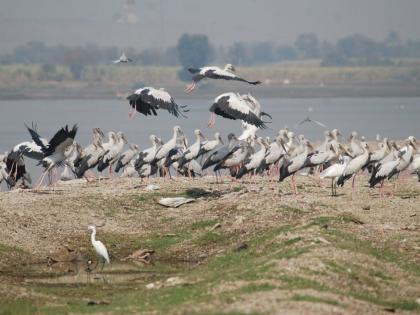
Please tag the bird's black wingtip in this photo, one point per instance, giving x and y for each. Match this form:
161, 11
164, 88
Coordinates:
193, 70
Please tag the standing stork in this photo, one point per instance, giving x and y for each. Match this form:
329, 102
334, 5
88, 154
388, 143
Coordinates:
148, 100
54, 151
210, 145
354, 166
228, 73
293, 165
126, 157
192, 152
255, 160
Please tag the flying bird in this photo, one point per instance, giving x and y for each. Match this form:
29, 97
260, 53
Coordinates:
309, 120
228, 73
234, 106
123, 59
54, 151
148, 100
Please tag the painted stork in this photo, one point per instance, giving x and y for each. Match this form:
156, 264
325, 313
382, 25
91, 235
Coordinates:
148, 100
228, 73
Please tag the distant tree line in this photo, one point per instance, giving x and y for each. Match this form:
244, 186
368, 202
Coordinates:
194, 50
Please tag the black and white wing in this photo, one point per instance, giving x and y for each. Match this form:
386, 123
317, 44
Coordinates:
148, 100
217, 73
228, 105
61, 140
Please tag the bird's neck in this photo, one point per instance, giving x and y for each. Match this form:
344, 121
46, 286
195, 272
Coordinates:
92, 236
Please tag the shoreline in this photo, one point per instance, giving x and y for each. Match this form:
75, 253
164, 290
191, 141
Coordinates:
380, 90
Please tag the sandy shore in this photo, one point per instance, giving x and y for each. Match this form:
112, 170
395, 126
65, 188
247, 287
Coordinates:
324, 237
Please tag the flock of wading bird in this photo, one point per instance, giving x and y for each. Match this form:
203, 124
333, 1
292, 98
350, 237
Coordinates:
284, 156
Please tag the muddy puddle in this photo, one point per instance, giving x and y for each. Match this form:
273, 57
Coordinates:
80, 273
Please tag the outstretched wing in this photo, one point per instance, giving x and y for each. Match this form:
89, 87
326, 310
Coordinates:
230, 106
161, 99
62, 139
36, 137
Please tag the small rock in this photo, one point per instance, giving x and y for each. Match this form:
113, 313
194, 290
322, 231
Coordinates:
153, 285
239, 221
174, 202
240, 247
142, 255
418, 301
322, 240
216, 226
102, 302
389, 309
366, 208
172, 281
152, 187
413, 215
411, 227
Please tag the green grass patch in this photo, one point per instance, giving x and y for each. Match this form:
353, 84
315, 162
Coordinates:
21, 307
203, 224
349, 242
314, 299
209, 238
287, 208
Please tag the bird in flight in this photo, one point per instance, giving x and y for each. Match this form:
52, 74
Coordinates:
309, 120
123, 59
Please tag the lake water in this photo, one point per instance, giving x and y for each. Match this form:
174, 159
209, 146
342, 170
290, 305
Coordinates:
395, 118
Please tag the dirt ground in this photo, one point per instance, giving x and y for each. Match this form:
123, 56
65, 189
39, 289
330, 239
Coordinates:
248, 247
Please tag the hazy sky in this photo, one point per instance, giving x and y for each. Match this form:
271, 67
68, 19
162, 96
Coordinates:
145, 24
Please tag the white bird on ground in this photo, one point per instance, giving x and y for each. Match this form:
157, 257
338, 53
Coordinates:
290, 167
112, 153
354, 166
149, 154
192, 152
126, 157
334, 172
355, 147
164, 150
210, 145
4, 174
99, 247
212, 72
255, 160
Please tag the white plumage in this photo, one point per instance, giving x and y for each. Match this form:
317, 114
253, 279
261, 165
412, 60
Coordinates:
99, 247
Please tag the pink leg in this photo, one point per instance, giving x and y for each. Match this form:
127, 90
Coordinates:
212, 120
132, 112
190, 87
353, 186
